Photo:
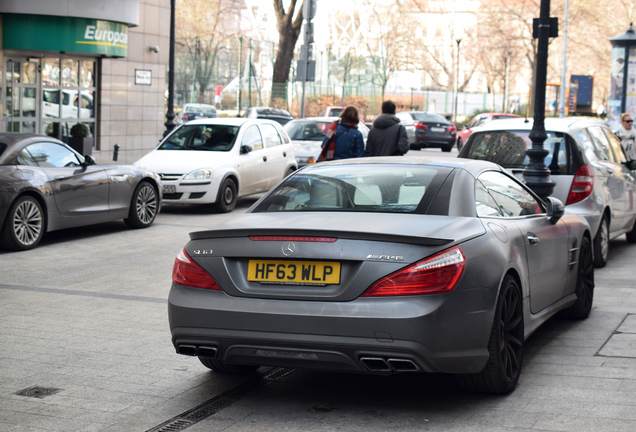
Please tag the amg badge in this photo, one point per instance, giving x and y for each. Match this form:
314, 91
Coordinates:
385, 257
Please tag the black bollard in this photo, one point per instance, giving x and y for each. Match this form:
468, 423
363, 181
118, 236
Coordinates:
115, 151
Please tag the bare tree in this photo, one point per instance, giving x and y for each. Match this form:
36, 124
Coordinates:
288, 31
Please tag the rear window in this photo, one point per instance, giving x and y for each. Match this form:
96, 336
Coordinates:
426, 117
205, 109
364, 188
307, 131
508, 149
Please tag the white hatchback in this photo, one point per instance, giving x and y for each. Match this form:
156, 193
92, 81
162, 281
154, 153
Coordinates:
215, 161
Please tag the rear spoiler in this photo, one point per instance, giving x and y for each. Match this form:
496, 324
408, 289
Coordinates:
346, 235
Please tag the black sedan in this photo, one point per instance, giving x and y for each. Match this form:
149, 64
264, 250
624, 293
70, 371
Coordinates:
383, 265
45, 186
425, 129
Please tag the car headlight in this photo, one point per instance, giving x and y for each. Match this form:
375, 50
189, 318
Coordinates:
200, 174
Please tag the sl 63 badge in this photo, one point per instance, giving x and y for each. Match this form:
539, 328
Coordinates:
201, 252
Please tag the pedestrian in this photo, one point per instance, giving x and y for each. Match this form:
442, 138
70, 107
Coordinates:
627, 134
343, 139
217, 96
602, 110
387, 137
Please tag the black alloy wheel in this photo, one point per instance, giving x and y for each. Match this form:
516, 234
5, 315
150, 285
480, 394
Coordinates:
601, 243
226, 200
447, 148
584, 284
143, 206
505, 346
24, 225
228, 368
631, 235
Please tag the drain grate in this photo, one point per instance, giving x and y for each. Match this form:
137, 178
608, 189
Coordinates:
218, 403
37, 392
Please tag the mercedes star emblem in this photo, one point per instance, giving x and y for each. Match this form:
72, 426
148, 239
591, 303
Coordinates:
289, 249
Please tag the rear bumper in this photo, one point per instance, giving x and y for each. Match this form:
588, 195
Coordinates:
446, 333
429, 141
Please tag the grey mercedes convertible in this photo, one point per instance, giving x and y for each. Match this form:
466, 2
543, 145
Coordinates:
380, 266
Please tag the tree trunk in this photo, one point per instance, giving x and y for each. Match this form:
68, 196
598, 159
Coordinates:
288, 30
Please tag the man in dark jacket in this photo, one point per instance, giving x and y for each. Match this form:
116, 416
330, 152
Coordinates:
387, 137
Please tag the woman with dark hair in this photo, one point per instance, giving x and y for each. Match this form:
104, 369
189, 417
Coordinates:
343, 139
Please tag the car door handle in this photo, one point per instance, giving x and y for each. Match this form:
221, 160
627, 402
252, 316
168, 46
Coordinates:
284, 154
533, 239
609, 171
264, 158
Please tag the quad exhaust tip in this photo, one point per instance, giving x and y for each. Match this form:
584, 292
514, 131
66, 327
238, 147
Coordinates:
379, 364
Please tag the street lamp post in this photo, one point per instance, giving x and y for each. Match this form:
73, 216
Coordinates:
455, 110
537, 175
170, 115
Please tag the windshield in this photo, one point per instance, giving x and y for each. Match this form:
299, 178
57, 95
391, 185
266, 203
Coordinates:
508, 149
307, 131
360, 187
427, 117
206, 109
201, 137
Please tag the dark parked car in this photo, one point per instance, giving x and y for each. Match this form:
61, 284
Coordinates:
592, 174
278, 115
383, 265
196, 111
426, 129
45, 186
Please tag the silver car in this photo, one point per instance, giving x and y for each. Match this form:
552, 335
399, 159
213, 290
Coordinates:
383, 265
46, 186
308, 134
592, 174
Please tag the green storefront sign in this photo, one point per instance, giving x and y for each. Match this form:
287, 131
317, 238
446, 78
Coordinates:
66, 34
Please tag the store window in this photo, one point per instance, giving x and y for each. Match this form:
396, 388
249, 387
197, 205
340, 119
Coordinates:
68, 96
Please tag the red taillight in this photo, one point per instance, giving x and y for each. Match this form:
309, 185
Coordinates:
184, 116
582, 185
294, 238
188, 273
435, 275
420, 126
452, 128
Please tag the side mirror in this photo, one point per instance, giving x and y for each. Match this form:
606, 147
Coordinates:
555, 209
89, 160
246, 148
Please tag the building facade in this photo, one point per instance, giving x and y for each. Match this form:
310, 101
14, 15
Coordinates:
98, 63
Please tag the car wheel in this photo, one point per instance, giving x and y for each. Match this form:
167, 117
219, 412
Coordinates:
601, 243
584, 283
24, 226
459, 144
447, 148
505, 346
290, 170
223, 367
631, 235
143, 206
227, 196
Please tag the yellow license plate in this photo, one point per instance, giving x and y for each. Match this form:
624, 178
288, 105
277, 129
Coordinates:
294, 272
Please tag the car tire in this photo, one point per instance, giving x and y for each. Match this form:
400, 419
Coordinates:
24, 225
447, 148
584, 283
505, 345
143, 206
229, 368
631, 235
601, 243
226, 200
289, 172
459, 144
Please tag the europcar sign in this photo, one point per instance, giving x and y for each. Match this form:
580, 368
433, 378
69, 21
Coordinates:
53, 33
